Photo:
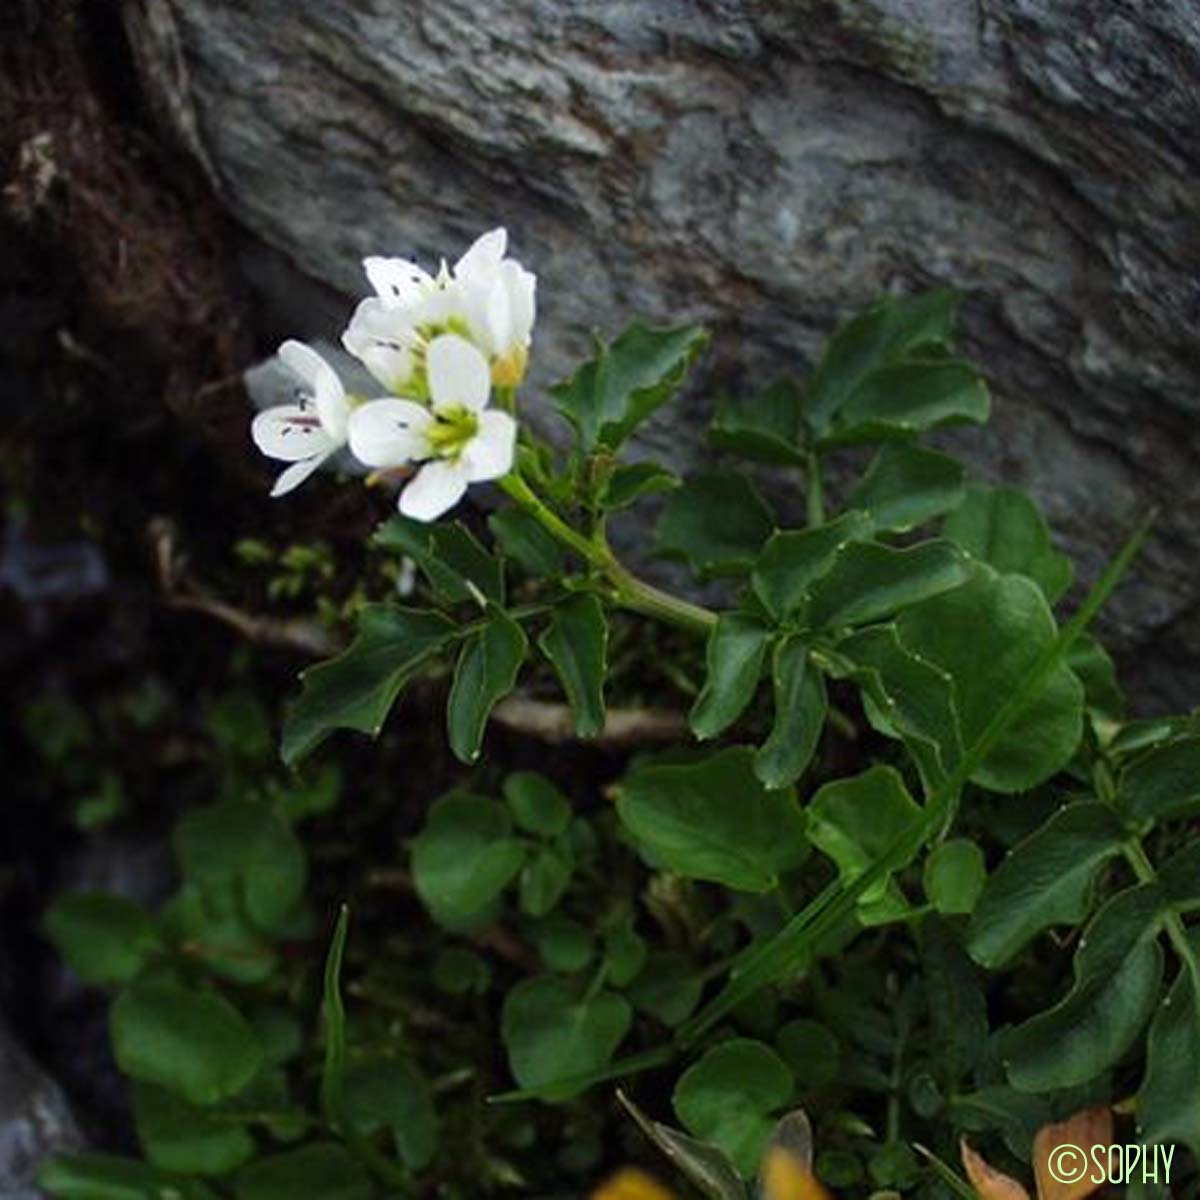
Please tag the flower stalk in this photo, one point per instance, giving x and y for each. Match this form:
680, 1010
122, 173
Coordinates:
628, 591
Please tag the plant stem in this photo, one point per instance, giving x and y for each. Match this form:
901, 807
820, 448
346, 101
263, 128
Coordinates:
628, 591
814, 491
1177, 932
639, 596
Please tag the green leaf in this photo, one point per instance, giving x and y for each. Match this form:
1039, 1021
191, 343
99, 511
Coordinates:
800, 708
105, 939
280, 1031
485, 673
448, 555
908, 398
946, 631
177, 1136
1135, 736
668, 987
706, 1167
110, 1177
215, 930
778, 956
576, 644
1162, 785
358, 688
1168, 1103
536, 804
1180, 876
854, 821
793, 560
245, 849
624, 952
544, 879
617, 389
716, 522
868, 581
1001, 526
552, 1035
884, 333
1095, 669
564, 945
195, 1044
459, 971
1118, 972
729, 1096
764, 427
957, 1009
811, 1050
464, 857
632, 481
954, 876
522, 539
321, 1170
390, 1093
736, 649
908, 698
1046, 880
1017, 1115
906, 486
712, 819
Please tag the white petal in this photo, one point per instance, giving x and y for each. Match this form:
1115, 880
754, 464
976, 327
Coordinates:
290, 432
441, 305
497, 315
396, 280
383, 339
437, 487
490, 453
386, 433
522, 286
459, 375
470, 300
321, 382
484, 255
297, 473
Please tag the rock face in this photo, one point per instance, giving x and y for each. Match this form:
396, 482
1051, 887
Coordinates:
35, 1121
765, 166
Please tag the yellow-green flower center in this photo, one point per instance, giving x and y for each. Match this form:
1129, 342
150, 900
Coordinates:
453, 431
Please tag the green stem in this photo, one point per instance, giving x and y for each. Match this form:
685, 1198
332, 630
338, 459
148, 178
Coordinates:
549, 520
639, 596
1177, 932
814, 491
628, 591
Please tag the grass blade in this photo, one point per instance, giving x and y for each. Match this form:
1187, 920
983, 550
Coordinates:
334, 1073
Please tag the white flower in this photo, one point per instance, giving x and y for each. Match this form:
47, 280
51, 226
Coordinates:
487, 298
307, 433
497, 298
458, 439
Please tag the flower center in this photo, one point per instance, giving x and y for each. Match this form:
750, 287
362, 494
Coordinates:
452, 432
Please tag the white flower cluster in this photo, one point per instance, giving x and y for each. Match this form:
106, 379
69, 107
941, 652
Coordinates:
438, 344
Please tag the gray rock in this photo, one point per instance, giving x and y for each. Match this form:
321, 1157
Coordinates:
766, 168
35, 1121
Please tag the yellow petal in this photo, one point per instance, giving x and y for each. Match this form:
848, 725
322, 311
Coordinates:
987, 1181
631, 1184
1092, 1127
785, 1177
